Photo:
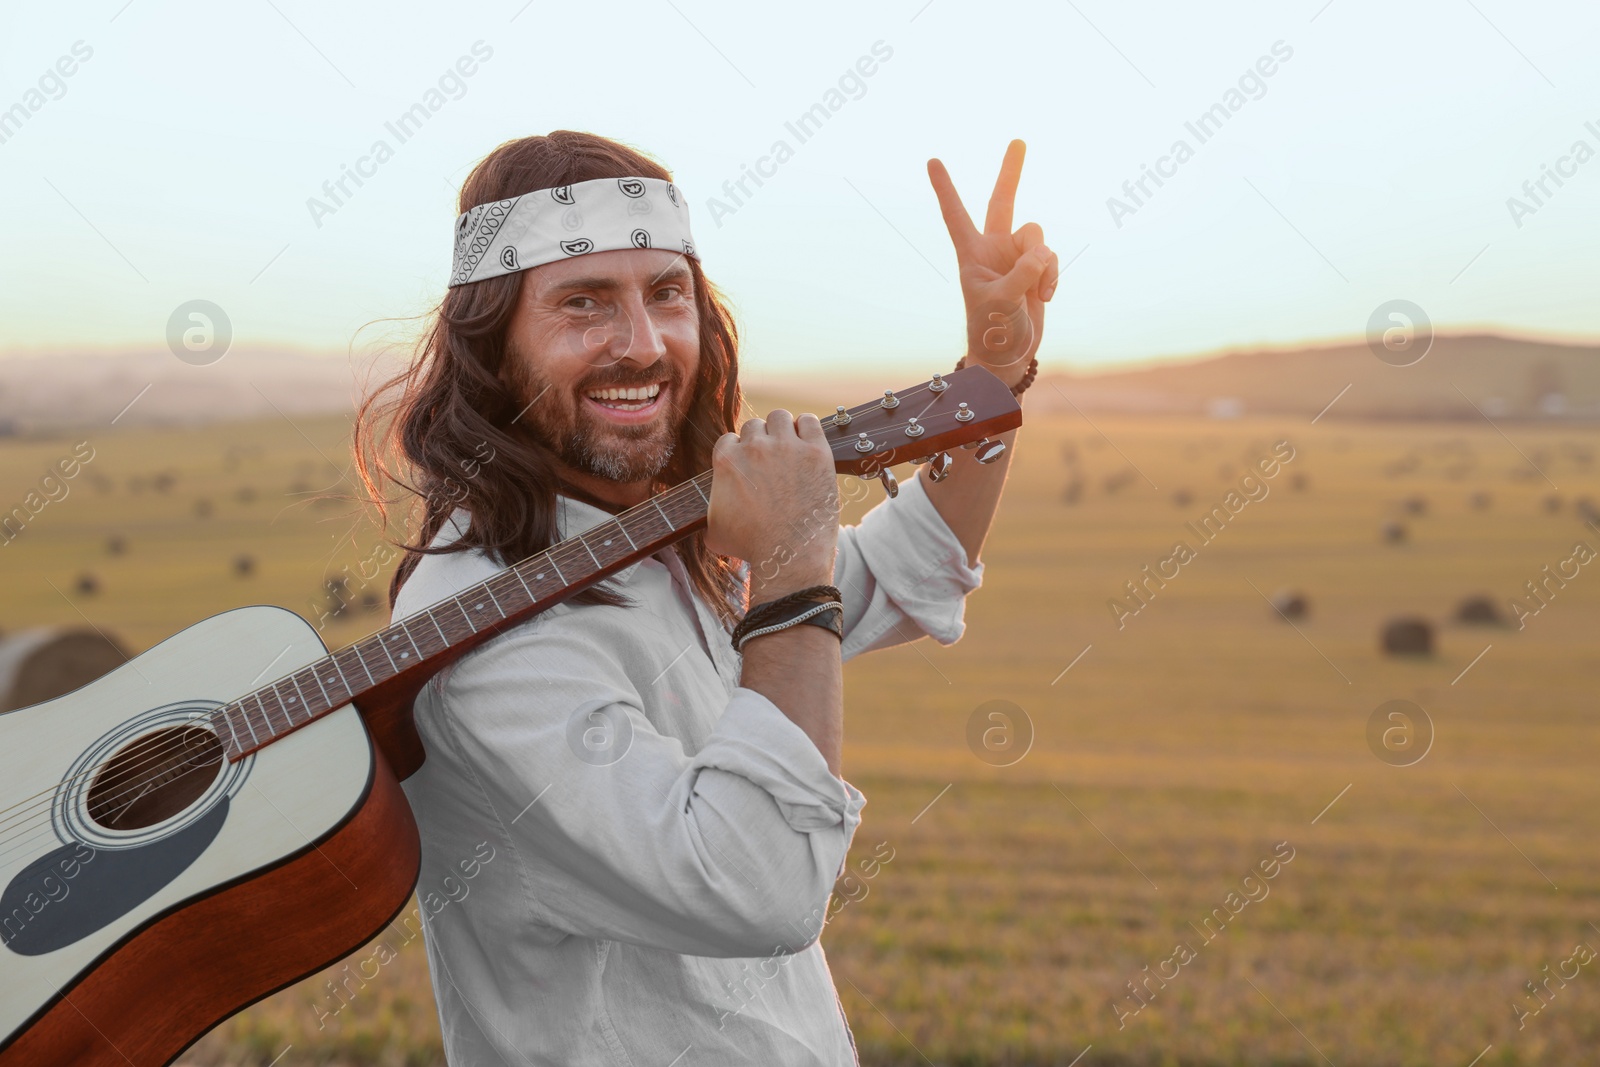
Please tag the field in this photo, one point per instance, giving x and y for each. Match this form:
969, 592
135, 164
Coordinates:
1155, 760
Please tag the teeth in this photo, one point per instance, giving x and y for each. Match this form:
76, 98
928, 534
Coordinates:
647, 392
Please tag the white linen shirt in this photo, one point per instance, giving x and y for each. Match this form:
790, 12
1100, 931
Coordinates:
661, 842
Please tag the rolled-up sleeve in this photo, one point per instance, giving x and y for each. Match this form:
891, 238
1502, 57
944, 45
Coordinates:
903, 574
731, 851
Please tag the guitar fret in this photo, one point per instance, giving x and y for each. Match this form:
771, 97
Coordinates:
696, 483
589, 550
227, 717
305, 705
361, 659
488, 587
405, 628
384, 648
436, 626
663, 515
553, 567
248, 725
283, 709
266, 718
518, 572
619, 524
326, 699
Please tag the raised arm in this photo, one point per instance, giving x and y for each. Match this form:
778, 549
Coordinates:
1006, 279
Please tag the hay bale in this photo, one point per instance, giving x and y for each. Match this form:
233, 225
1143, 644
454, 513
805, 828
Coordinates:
244, 565
116, 545
1291, 604
1552, 503
1182, 497
1416, 504
1394, 533
42, 664
1479, 611
1585, 508
1298, 482
202, 508
87, 584
1479, 501
1072, 492
1409, 636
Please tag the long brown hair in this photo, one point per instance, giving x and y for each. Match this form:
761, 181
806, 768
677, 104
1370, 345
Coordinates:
441, 430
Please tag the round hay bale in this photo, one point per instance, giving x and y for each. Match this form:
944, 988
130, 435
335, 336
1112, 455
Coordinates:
87, 584
1480, 501
244, 565
202, 508
1183, 498
1479, 611
1552, 503
1072, 492
116, 545
1298, 482
1416, 504
1586, 510
1394, 533
1291, 604
1409, 636
42, 664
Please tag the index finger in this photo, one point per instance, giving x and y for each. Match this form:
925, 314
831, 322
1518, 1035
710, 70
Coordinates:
1004, 197
956, 219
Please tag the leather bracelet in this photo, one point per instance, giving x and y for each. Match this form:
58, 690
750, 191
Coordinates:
761, 614
1027, 378
829, 616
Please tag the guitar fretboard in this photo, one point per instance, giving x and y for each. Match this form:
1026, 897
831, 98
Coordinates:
261, 717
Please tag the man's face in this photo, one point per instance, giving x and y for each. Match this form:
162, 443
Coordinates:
604, 348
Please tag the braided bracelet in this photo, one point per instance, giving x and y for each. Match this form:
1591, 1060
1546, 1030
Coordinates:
761, 614
829, 616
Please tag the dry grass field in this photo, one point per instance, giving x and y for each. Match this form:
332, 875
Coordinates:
1203, 737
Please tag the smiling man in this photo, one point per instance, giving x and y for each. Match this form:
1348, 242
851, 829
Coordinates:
666, 808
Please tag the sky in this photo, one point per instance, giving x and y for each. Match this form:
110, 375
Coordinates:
1378, 160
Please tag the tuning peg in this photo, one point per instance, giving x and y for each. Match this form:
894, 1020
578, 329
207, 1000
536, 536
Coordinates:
938, 384
891, 485
989, 451
889, 399
970, 445
841, 417
941, 467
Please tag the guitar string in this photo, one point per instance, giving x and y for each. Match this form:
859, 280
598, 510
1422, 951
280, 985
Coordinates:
571, 545
570, 551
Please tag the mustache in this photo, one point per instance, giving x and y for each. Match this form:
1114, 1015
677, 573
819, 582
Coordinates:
645, 377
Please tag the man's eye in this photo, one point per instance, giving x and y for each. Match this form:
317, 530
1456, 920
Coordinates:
573, 303
671, 292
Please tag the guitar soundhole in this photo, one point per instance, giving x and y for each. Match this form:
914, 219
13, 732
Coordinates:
154, 778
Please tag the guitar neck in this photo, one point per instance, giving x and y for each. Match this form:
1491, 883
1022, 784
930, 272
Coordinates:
418, 646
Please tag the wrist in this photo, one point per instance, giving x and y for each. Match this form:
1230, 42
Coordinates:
789, 579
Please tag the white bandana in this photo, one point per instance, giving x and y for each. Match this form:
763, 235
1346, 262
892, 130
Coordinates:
547, 225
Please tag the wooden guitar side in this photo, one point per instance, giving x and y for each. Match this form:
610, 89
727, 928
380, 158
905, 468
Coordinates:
157, 993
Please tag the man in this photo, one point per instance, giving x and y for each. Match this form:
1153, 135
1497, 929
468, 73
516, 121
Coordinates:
630, 828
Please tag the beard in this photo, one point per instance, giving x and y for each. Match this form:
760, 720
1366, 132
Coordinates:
585, 441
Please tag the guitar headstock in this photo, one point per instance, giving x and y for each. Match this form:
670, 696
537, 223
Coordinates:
946, 411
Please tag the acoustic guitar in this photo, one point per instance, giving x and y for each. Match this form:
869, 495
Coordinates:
221, 816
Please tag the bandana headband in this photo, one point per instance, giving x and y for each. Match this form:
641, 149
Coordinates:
548, 225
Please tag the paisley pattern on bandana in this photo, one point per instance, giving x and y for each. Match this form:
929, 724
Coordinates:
548, 225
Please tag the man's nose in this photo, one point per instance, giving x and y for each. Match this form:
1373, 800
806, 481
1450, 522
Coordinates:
632, 334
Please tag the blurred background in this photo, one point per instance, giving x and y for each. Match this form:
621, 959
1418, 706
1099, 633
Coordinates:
1345, 243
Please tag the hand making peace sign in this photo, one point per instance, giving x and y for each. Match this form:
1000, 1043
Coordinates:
1006, 277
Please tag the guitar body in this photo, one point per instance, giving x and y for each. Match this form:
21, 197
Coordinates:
139, 909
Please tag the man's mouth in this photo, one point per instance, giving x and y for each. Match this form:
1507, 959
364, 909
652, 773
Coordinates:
628, 404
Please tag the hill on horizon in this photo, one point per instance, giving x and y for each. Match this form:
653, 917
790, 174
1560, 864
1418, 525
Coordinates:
1461, 377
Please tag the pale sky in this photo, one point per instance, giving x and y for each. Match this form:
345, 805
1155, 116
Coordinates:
176, 161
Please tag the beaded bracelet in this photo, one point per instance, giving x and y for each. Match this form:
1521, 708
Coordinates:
1027, 378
